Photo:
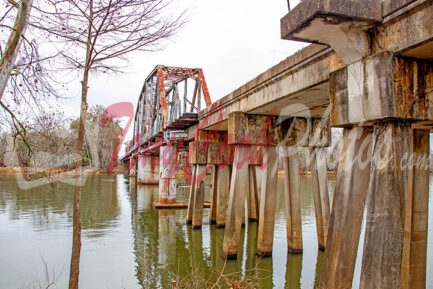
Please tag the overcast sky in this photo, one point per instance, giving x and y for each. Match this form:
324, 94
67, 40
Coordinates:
231, 40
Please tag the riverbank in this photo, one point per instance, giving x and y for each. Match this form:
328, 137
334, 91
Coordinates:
50, 172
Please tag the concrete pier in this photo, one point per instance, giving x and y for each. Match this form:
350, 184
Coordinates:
198, 197
267, 203
387, 193
132, 166
385, 264
222, 194
167, 175
292, 199
148, 170
320, 194
253, 194
413, 273
235, 213
348, 209
191, 198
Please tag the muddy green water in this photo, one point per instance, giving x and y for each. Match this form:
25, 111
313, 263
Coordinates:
127, 244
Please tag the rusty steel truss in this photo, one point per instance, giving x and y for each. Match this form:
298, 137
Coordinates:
170, 100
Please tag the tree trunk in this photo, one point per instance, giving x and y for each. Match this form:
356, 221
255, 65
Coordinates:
8, 58
76, 234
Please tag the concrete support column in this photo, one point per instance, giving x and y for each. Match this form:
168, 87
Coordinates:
347, 209
267, 203
198, 197
258, 183
220, 155
132, 166
385, 221
320, 193
416, 223
292, 199
213, 197
222, 194
395, 222
235, 213
148, 170
191, 198
252, 196
167, 174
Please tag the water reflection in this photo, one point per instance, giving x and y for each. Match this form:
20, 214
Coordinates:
36, 227
44, 205
128, 244
166, 249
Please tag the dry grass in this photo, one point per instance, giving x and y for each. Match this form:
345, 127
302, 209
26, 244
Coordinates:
219, 280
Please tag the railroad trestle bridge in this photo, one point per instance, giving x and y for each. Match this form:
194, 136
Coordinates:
369, 70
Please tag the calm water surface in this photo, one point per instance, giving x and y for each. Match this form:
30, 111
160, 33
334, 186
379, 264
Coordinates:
127, 244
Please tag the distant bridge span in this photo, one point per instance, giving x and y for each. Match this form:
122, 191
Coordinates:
168, 105
368, 70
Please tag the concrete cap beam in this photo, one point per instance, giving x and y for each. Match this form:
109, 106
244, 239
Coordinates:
379, 88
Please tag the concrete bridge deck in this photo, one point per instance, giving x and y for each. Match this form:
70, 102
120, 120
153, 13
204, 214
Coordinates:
369, 70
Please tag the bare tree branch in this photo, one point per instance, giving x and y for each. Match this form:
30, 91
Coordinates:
118, 27
10, 54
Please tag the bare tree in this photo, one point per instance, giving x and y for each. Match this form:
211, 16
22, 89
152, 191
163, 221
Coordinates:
21, 58
25, 74
94, 35
97, 35
10, 54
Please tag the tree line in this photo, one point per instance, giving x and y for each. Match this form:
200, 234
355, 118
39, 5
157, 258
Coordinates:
51, 141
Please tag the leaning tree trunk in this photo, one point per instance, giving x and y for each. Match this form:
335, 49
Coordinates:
9, 56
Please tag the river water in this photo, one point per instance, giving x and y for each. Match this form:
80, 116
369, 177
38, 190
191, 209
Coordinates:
128, 244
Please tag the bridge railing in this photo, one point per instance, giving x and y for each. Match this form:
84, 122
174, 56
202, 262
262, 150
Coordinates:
183, 91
